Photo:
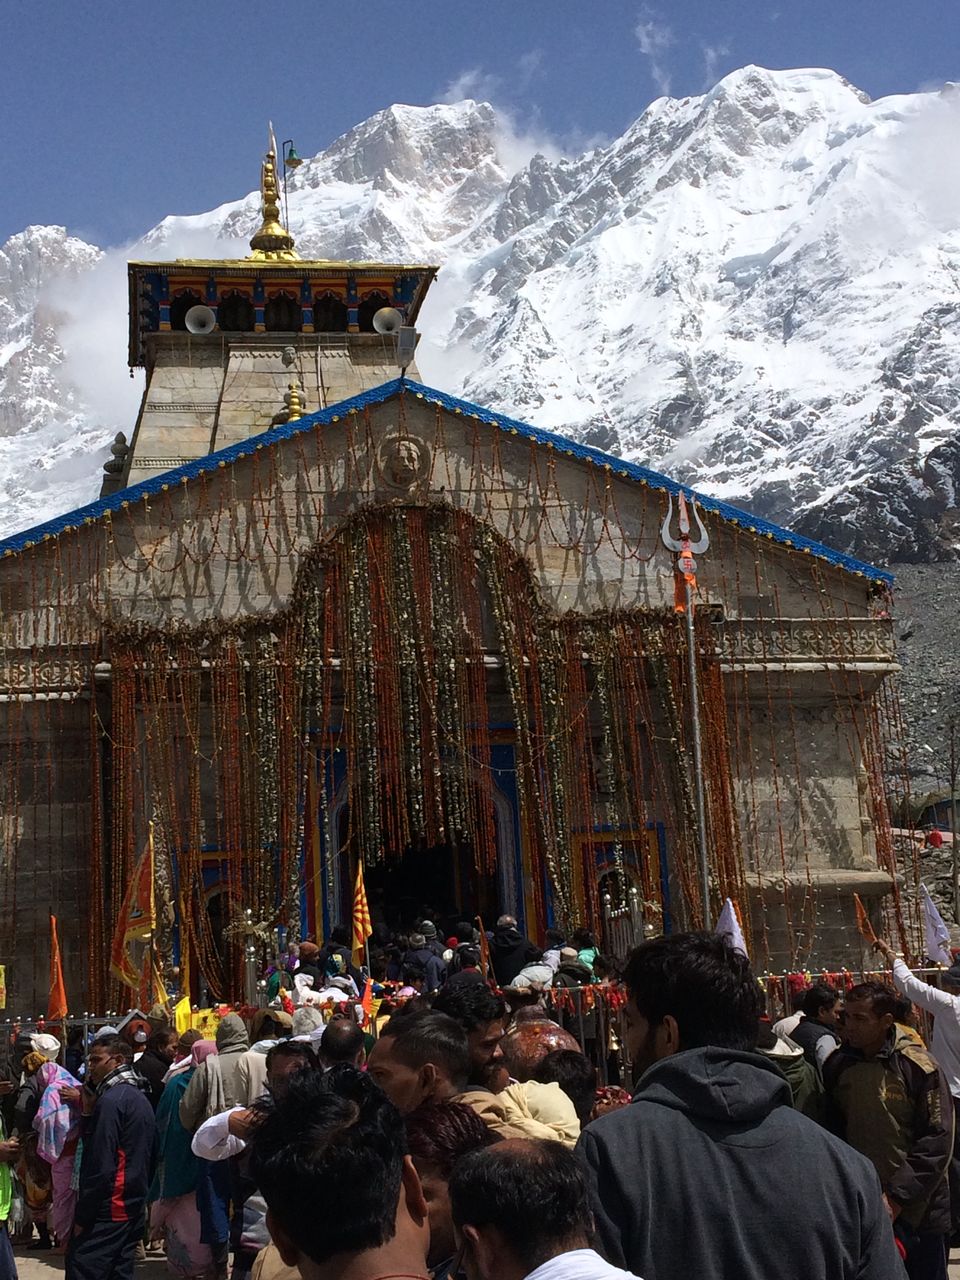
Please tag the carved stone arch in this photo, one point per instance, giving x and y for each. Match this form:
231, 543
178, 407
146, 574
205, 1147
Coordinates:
369, 306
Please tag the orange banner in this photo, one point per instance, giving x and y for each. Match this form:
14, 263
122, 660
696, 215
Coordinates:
57, 1000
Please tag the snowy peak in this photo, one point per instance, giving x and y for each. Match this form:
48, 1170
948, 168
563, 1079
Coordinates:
754, 289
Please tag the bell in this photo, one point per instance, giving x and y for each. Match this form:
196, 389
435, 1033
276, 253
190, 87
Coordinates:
291, 159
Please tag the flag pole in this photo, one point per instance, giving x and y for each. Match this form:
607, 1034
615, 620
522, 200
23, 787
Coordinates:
686, 570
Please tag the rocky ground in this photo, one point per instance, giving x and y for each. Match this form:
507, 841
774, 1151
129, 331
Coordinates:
927, 609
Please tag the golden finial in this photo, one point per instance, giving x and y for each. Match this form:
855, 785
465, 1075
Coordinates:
272, 239
292, 401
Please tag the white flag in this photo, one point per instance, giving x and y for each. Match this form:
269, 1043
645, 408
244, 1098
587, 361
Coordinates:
728, 926
936, 935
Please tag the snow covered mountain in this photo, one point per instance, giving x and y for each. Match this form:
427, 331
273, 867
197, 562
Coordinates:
755, 290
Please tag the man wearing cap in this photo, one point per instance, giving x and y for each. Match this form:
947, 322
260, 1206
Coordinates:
944, 1044
431, 940
419, 954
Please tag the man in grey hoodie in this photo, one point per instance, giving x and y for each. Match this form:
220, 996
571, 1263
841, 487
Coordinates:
710, 1172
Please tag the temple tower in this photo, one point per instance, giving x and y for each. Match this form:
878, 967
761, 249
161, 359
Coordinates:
222, 341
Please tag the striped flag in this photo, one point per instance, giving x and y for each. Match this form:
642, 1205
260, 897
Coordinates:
362, 924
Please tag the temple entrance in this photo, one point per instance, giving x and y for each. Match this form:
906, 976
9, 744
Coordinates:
440, 882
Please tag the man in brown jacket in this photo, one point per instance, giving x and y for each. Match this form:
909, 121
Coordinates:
889, 1099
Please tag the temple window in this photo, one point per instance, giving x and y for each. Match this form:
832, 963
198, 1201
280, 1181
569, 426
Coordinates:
235, 314
329, 314
282, 314
369, 308
180, 305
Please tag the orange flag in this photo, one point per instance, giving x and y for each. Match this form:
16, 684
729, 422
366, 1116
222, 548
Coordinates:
362, 924
863, 920
366, 1004
57, 1000
485, 966
136, 921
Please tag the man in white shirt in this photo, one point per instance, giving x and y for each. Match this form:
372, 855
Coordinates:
225, 1135
944, 1043
521, 1212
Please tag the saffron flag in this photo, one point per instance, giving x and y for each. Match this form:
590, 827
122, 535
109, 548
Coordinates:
57, 1000
728, 926
863, 921
936, 935
362, 924
136, 921
366, 1004
485, 966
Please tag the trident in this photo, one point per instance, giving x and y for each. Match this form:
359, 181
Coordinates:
686, 567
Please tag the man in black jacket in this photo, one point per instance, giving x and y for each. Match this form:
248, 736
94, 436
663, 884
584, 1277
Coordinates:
816, 1032
119, 1139
155, 1061
705, 1173
509, 951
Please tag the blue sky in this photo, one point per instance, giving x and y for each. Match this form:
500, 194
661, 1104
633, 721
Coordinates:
115, 113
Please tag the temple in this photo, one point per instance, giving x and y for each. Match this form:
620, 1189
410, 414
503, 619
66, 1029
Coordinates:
324, 615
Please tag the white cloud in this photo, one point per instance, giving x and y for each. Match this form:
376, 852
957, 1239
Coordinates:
529, 66
713, 54
474, 83
655, 37
93, 331
519, 135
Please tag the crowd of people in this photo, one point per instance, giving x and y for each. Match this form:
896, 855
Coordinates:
465, 1134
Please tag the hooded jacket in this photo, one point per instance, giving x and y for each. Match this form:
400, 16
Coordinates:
509, 952
710, 1172
806, 1087
216, 1085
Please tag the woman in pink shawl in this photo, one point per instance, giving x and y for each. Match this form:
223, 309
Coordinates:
57, 1125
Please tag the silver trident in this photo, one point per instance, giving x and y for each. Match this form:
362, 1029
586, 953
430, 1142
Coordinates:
686, 566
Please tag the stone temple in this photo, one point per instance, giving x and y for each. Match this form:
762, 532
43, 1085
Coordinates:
323, 616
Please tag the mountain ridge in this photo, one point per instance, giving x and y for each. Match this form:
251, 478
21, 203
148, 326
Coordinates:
753, 290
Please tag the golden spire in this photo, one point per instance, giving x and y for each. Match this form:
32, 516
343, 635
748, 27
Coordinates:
272, 239
294, 407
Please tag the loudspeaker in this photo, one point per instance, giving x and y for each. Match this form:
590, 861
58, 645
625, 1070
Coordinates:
200, 319
387, 320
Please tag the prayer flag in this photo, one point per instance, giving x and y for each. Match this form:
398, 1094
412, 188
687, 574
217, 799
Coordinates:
136, 921
57, 1000
936, 935
182, 1015
863, 921
728, 926
362, 924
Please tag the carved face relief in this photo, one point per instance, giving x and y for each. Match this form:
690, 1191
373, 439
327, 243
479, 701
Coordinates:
403, 461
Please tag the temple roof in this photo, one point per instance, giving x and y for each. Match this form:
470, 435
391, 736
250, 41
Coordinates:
399, 387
